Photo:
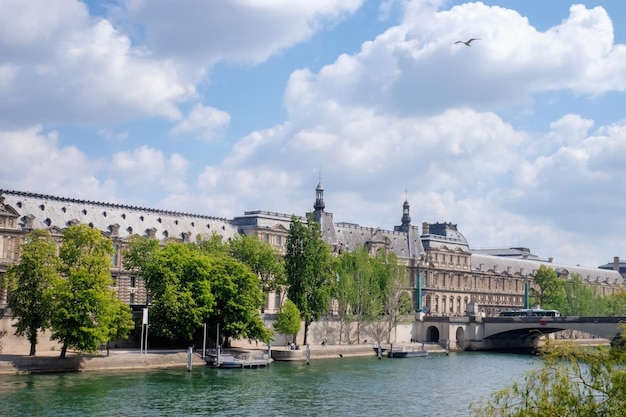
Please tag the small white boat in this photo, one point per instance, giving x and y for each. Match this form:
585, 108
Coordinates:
406, 352
229, 360
240, 360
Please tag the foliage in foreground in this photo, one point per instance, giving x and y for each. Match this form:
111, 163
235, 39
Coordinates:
573, 381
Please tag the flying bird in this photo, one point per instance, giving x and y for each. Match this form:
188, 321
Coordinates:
468, 42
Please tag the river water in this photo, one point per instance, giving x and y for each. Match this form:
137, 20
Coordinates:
437, 385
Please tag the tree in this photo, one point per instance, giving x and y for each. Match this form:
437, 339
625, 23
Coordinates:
368, 300
581, 300
33, 280
549, 289
193, 284
343, 293
573, 381
288, 320
238, 300
120, 321
615, 304
178, 281
85, 305
309, 270
392, 281
261, 258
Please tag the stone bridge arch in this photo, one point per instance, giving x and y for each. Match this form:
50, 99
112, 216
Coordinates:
432, 334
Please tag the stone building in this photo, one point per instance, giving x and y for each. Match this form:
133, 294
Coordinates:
452, 275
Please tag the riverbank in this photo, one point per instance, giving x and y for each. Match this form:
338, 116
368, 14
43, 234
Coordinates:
49, 362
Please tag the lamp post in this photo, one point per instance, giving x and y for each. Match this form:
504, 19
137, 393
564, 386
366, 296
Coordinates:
418, 288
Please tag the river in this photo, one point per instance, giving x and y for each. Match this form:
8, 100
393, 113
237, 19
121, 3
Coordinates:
437, 385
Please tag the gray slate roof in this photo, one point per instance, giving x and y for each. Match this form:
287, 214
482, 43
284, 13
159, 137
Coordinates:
526, 267
49, 211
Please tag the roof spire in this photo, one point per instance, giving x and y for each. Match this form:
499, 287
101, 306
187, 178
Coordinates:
319, 196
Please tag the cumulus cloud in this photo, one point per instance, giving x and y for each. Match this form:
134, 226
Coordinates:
415, 67
32, 160
410, 112
66, 66
206, 122
231, 30
146, 168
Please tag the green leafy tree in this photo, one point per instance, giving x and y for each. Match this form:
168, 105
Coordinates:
392, 280
139, 252
344, 294
193, 284
120, 321
81, 317
309, 270
288, 320
238, 300
213, 245
573, 381
261, 258
178, 281
615, 304
33, 280
581, 300
405, 303
366, 301
549, 289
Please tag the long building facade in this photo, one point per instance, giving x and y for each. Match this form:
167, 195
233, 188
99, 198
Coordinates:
439, 260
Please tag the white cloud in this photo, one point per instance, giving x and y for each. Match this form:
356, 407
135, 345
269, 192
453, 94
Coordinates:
207, 122
232, 30
145, 169
61, 65
33, 161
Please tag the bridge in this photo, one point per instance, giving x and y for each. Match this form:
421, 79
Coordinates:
506, 333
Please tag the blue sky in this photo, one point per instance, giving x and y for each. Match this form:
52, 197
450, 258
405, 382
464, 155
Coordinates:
220, 107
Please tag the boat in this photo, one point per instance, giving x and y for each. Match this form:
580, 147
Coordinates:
240, 360
230, 360
407, 353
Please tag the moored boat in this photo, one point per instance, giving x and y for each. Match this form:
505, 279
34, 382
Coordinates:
407, 353
229, 360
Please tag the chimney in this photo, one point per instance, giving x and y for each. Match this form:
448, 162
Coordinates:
550, 259
425, 228
616, 263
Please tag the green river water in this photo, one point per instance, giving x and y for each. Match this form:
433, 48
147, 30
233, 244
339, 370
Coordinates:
438, 385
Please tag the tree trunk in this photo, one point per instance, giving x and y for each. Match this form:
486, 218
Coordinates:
63, 351
306, 332
32, 338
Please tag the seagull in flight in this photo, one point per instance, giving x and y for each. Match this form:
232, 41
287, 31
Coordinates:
468, 42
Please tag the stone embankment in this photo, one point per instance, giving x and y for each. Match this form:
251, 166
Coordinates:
49, 362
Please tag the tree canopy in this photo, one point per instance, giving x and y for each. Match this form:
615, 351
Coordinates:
193, 284
549, 289
573, 381
309, 270
31, 283
86, 311
288, 320
261, 258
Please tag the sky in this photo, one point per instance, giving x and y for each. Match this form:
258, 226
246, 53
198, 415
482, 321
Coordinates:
217, 108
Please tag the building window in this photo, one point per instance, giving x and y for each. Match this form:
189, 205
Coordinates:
277, 300
132, 299
279, 240
133, 281
114, 257
266, 237
114, 278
